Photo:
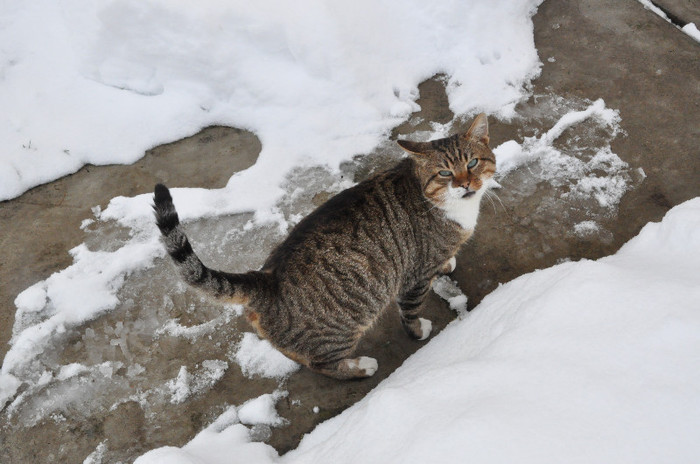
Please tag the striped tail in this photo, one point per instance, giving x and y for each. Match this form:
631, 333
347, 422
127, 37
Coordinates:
234, 288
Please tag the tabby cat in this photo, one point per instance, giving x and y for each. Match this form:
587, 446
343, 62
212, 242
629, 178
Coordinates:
379, 242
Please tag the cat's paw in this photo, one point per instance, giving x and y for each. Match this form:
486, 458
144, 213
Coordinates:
368, 365
449, 266
426, 327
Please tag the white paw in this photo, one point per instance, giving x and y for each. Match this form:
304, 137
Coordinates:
453, 263
369, 365
425, 327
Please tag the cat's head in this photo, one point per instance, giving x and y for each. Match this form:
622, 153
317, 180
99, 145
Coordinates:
455, 168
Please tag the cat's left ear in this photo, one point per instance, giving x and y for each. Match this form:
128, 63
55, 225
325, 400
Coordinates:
416, 148
479, 129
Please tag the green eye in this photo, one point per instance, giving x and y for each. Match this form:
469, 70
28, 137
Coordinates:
445, 173
472, 163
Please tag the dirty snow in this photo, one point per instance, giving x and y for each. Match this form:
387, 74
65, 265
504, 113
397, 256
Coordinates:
589, 361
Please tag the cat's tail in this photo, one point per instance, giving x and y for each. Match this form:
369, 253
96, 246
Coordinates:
234, 288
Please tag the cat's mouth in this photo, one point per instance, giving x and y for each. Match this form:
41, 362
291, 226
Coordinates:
468, 193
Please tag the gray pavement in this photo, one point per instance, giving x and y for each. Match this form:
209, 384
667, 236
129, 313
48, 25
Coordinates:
615, 50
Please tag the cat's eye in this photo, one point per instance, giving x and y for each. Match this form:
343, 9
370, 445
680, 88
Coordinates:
445, 173
472, 163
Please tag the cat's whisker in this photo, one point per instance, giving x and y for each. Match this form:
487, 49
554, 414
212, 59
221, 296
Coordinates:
494, 194
488, 197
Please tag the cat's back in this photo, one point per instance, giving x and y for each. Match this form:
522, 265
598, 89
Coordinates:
354, 224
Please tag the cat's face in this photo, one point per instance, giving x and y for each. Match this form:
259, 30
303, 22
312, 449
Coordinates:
455, 168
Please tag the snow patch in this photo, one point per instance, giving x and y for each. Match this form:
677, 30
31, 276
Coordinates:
301, 76
259, 357
448, 290
261, 410
186, 385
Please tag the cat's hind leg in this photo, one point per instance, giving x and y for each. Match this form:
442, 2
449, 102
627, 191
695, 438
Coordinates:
355, 368
449, 266
410, 305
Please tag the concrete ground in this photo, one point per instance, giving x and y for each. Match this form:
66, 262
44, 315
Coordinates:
610, 49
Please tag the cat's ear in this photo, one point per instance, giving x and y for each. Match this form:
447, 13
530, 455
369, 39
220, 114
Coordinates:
479, 129
416, 148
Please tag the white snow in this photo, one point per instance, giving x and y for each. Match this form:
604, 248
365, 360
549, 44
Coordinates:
259, 357
108, 79
226, 440
692, 30
261, 410
589, 361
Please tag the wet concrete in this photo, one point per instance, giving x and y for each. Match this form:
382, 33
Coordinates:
615, 50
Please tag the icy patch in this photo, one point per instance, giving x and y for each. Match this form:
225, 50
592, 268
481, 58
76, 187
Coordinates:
558, 165
70, 297
98, 455
186, 384
259, 357
585, 179
586, 228
175, 329
448, 290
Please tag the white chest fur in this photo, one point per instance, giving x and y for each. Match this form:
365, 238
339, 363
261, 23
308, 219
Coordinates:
464, 211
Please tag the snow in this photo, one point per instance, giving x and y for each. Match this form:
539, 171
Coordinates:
186, 384
589, 361
448, 290
261, 410
109, 79
692, 30
97, 456
226, 440
259, 357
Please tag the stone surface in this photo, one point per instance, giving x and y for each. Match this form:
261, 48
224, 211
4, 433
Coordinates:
615, 50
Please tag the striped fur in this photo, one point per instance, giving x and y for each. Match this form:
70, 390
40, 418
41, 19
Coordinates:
377, 244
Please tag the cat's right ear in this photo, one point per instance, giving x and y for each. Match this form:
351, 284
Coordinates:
415, 148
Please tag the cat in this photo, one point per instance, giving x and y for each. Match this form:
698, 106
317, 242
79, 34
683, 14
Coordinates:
376, 244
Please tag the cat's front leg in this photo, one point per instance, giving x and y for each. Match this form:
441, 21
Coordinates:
410, 304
